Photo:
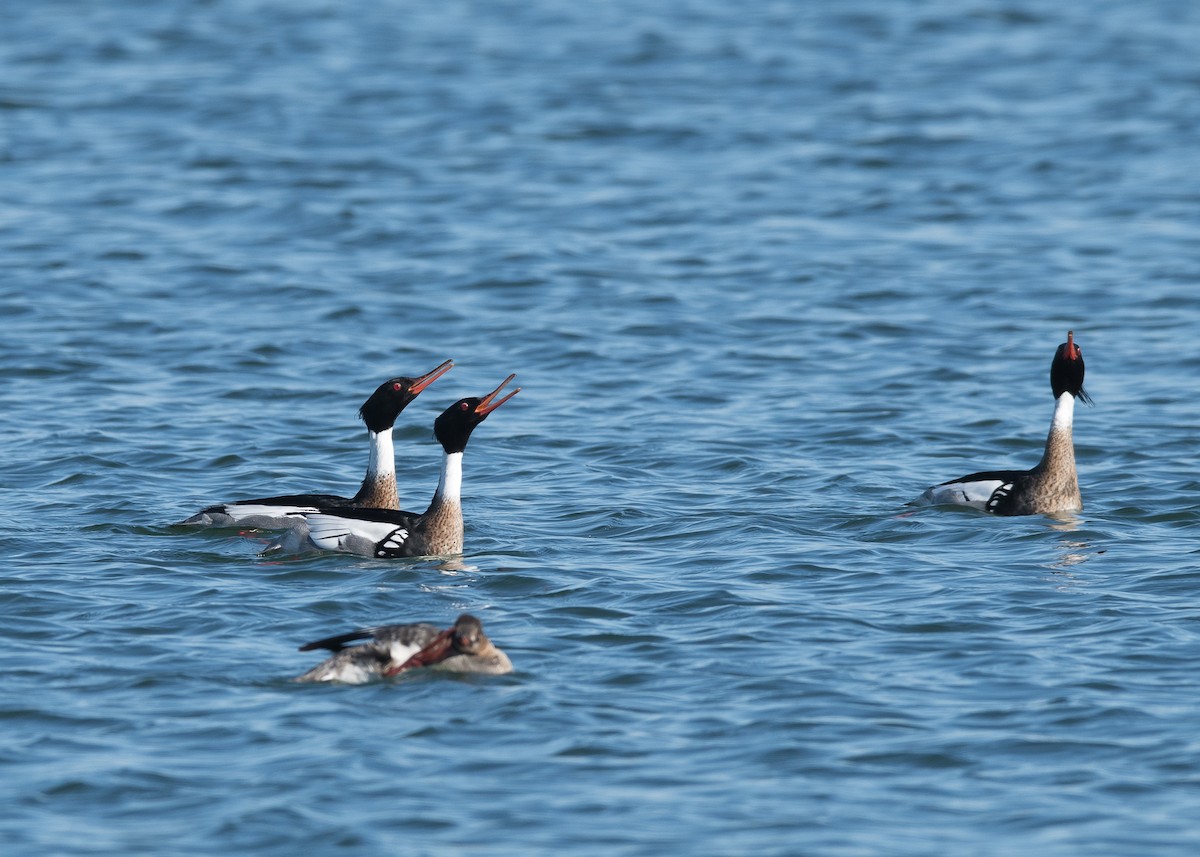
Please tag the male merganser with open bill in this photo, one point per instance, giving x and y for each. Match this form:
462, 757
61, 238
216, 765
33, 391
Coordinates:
394, 649
1052, 486
379, 413
387, 534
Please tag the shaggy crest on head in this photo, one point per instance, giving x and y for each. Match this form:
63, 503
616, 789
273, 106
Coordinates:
1066, 370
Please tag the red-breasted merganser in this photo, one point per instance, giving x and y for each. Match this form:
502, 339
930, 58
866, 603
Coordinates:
387, 534
1053, 485
394, 649
379, 413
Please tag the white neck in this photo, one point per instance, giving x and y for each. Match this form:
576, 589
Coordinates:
1064, 412
383, 456
450, 484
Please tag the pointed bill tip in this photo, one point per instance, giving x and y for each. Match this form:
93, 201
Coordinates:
489, 403
431, 376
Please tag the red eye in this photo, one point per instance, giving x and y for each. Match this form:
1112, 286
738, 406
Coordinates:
463, 406
397, 386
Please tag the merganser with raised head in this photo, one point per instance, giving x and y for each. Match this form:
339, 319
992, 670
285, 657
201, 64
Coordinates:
1052, 486
387, 534
394, 649
378, 490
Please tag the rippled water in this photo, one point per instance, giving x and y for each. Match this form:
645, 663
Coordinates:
763, 272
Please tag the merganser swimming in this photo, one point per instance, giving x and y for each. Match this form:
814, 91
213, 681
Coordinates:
1052, 486
388, 534
379, 413
394, 649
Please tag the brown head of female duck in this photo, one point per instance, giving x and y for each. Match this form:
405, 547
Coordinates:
389, 650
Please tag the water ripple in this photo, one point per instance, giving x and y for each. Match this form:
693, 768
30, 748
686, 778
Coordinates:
763, 276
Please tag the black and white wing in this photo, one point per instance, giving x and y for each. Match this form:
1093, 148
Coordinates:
417, 634
365, 532
988, 491
382, 647
265, 513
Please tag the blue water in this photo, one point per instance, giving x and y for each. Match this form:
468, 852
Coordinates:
765, 271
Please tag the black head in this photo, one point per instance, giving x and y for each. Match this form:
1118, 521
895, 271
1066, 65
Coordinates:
1066, 372
379, 411
454, 426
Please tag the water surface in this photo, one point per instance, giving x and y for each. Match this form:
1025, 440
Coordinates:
764, 274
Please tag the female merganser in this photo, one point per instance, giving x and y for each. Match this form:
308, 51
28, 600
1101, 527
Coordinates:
394, 649
1053, 485
388, 534
379, 413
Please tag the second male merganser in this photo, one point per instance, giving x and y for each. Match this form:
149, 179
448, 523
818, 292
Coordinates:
387, 534
394, 649
1052, 486
378, 490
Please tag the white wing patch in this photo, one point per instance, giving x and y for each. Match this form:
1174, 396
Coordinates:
393, 543
335, 533
348, 673
241, 511
980, 495
401, 652
347, 668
